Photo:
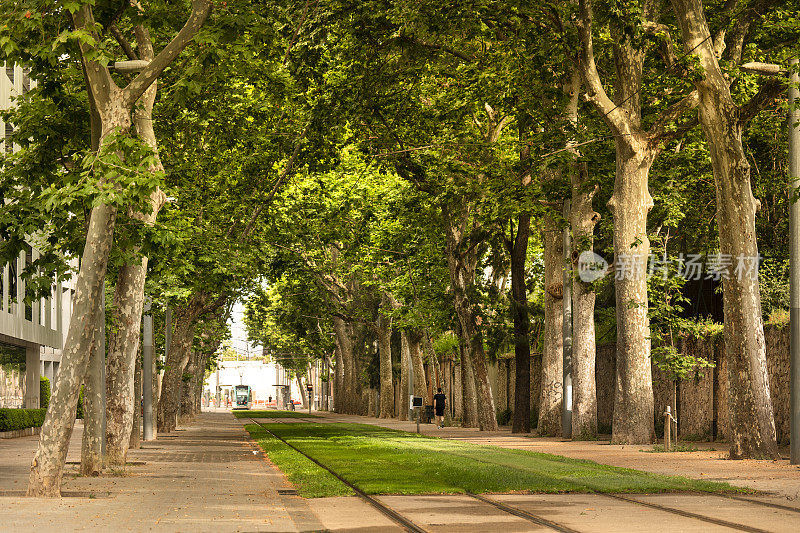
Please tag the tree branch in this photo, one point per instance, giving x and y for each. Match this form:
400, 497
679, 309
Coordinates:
670, 115
765, 96
297, 30
286, 171
433, 46
100, 81
612, 115
123, 42
135, 89
661, 30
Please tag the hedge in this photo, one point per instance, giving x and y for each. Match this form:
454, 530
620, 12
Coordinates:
44, 392
12, 419
79, 412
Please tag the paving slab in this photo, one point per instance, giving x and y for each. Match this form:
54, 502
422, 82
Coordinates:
208, 477
741, 512
457, 513
352, 514
595, 513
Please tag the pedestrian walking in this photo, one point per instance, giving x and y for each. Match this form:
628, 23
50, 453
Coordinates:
438, 407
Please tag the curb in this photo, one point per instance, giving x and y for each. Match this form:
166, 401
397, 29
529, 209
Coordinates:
27, 432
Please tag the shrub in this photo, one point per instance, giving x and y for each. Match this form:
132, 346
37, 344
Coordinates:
12, 419
504, 417
44, 392
79, 413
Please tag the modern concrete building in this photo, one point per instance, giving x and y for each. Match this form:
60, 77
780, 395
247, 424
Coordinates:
31, 333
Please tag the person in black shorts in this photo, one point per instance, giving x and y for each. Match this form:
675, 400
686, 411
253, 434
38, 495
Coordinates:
438, 407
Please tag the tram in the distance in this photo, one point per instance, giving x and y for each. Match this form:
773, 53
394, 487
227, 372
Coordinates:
243, 397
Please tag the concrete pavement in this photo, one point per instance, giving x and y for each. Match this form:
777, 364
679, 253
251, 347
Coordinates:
204, 477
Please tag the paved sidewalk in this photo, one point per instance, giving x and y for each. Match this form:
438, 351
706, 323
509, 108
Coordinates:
778, 478
204, 477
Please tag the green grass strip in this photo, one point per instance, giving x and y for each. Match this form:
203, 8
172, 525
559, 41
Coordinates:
310, 480
385, 461
269, 413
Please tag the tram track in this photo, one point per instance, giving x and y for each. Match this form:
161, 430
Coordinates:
393, 515
409, 525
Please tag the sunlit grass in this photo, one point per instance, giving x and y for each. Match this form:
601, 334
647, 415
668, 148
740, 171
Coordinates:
385, 461
310, 480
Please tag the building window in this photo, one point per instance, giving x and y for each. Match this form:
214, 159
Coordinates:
28, 304
9, 143
26, 80
12, 286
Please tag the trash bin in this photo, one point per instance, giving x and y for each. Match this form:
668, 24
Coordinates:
427, 415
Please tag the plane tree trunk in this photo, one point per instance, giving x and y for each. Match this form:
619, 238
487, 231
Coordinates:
92, 463
461, 265
129, 292
114, 106
584, 393
348, 397
629, 205
552, 354
636, 150
752, 420
519, 309
136, 425
383, 328
183, 327
405, 369
469, 398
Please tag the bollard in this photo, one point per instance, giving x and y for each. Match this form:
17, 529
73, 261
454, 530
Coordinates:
667, 428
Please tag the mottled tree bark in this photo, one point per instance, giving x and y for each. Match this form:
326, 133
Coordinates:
469, 397
584, 394
129, 292
461, 265
183, 324
752, 419
415, 349
349, 397
383, 328
92, 463
405, 369
48, 462
630, 203
122, 350
188, 380
338, 377
552, 354
636, 149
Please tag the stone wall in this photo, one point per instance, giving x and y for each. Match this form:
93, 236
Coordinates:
702, 409
703, 399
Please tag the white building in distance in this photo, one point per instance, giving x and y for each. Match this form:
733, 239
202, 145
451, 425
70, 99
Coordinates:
265, 380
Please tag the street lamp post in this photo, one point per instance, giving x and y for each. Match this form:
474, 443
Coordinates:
794, 261
768, 69
147, 372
